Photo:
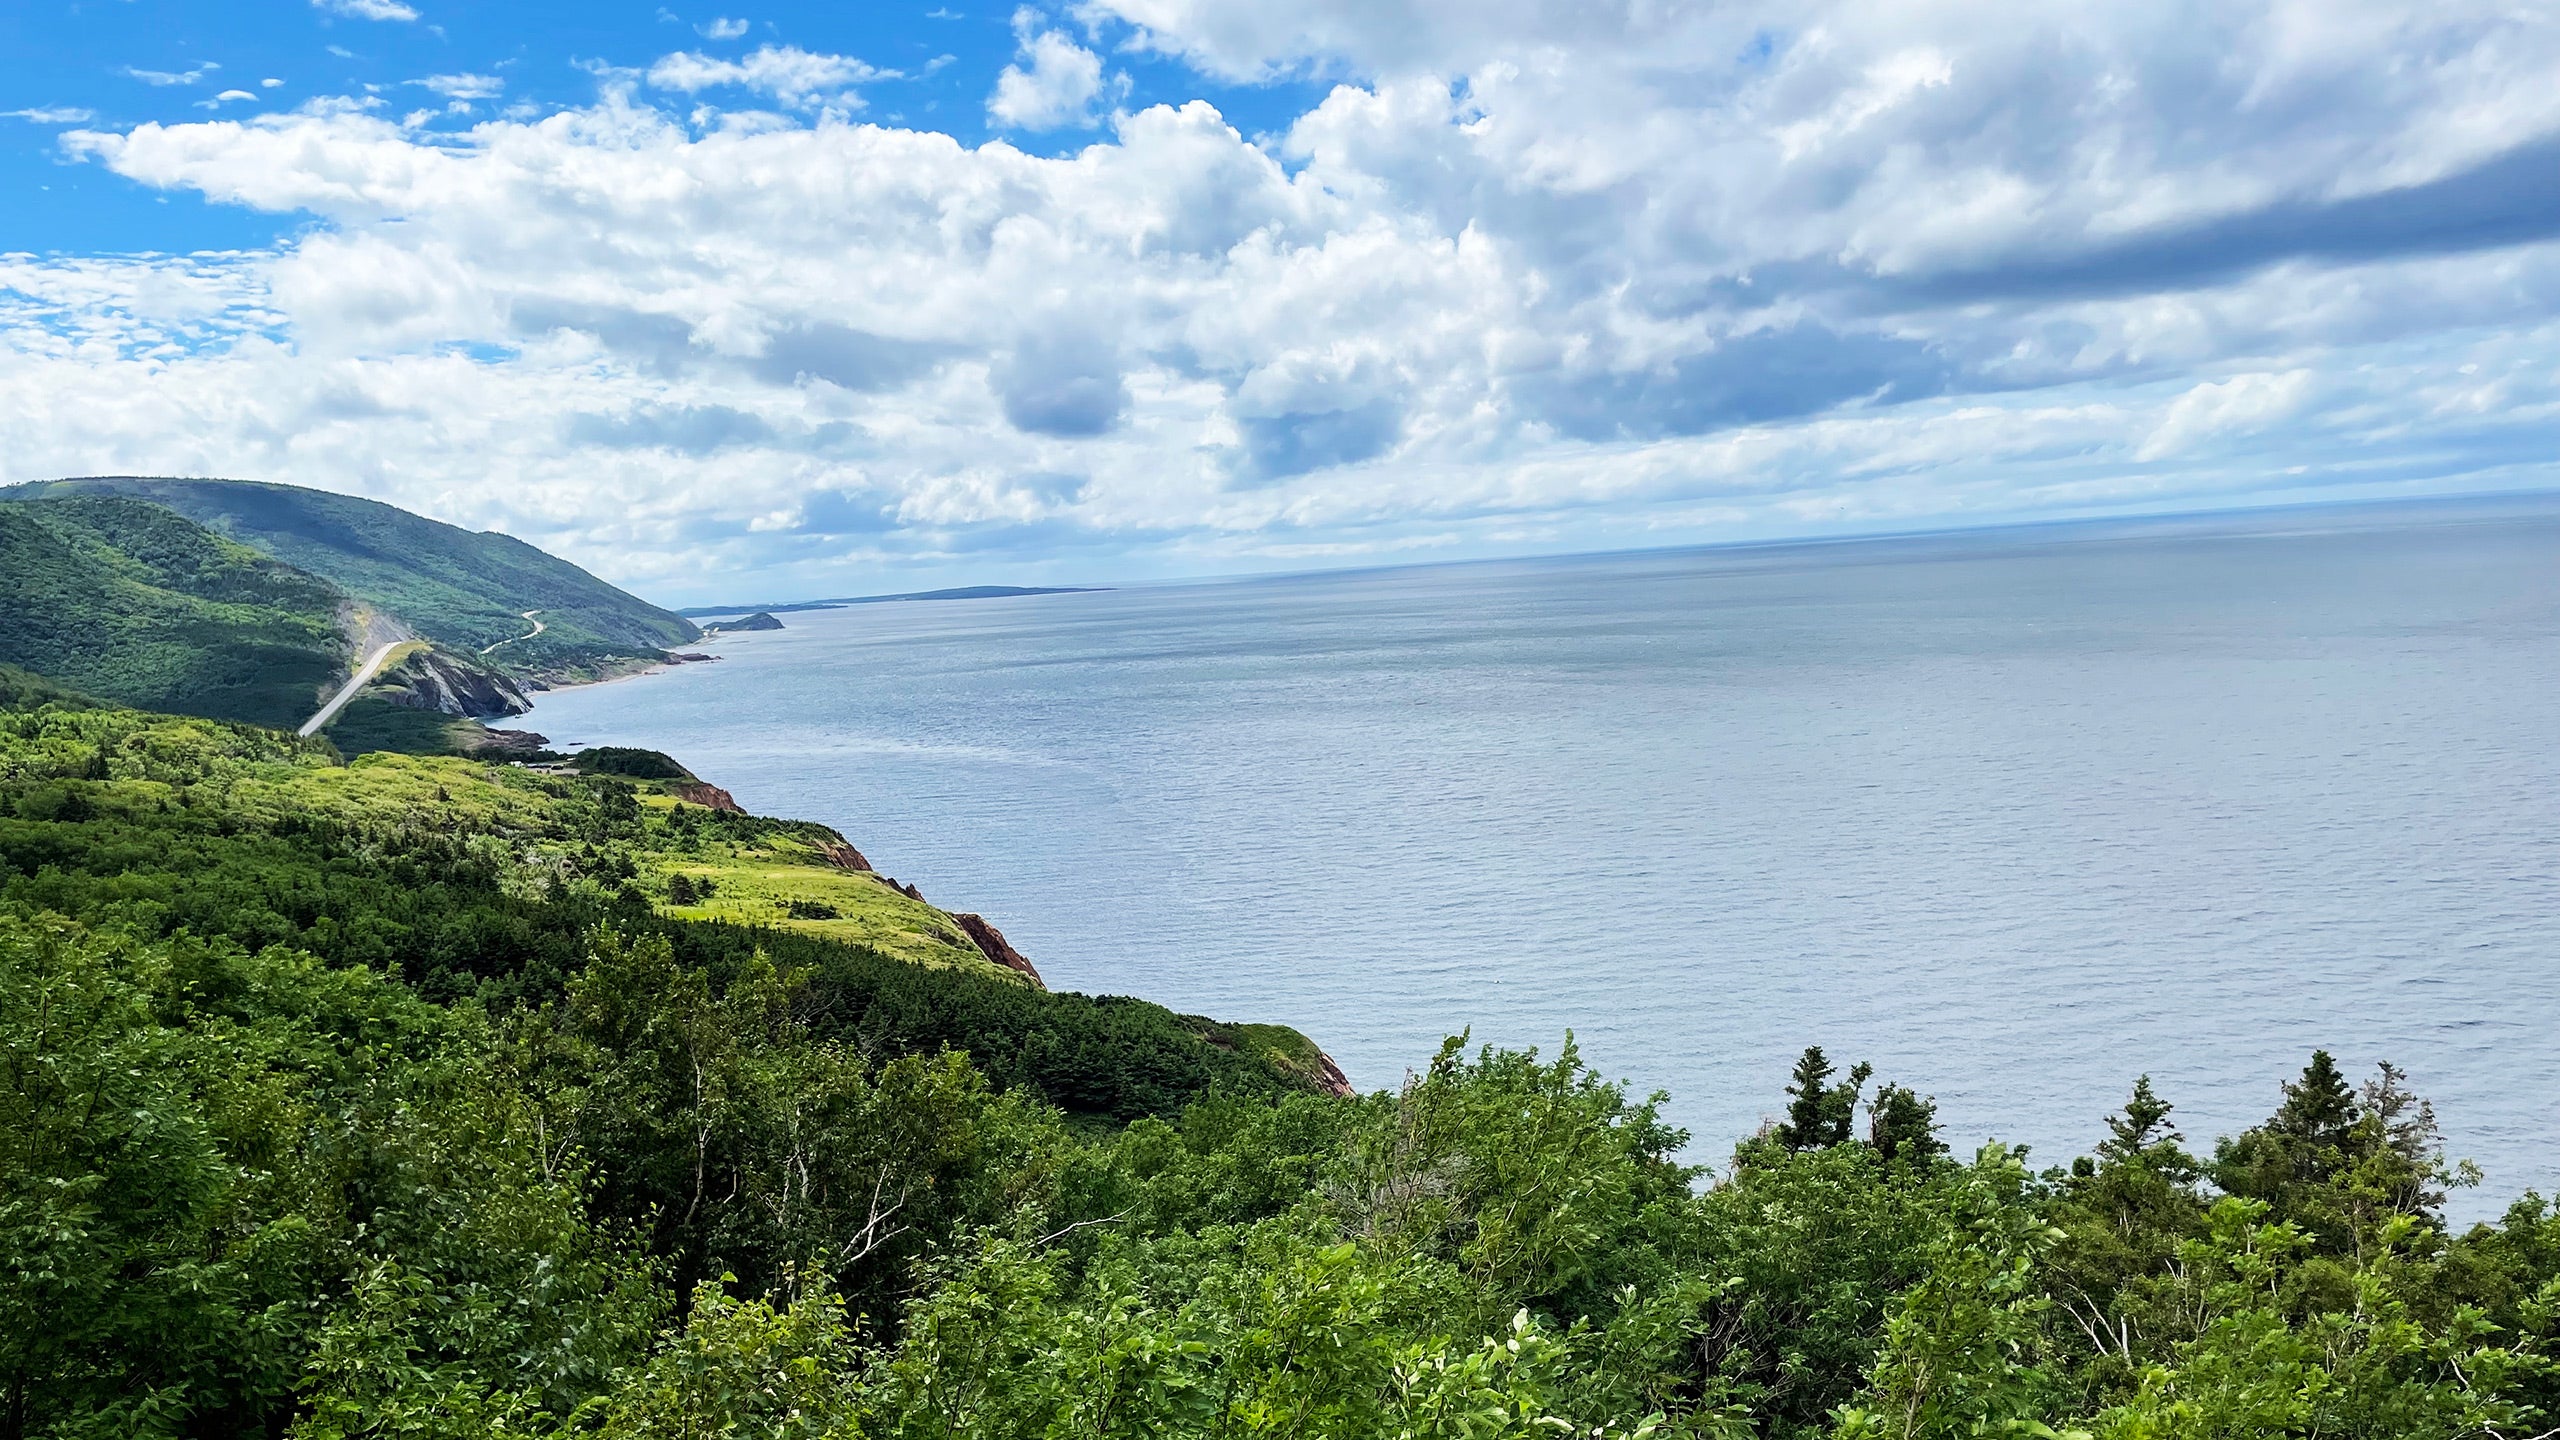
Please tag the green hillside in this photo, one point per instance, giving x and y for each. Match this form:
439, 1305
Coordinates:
464, 590
129, 601
428, 1098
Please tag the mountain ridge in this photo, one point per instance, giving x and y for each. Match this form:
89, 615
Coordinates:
466, 590
133, 602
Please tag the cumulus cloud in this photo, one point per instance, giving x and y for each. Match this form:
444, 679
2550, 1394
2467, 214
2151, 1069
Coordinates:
722, 29
1053, 82
786, 72
466, 86
1530, 273
1062, 381
366, 9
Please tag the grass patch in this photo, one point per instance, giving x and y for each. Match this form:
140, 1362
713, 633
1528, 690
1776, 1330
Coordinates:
759, 889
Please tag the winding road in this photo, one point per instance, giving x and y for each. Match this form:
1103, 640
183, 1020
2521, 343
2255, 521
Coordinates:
529, 634
372, 665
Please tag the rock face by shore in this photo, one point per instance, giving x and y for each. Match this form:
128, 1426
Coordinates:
694, 792
991, 940
430, 680
842, 855
506, 743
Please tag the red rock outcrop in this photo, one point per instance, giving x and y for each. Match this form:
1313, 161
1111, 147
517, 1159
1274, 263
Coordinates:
843, 856
1331, 1080
694, 792
991, 940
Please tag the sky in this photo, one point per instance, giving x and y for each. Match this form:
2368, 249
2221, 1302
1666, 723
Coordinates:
827, 299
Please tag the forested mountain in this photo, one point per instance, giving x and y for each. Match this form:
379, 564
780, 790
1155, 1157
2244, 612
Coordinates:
465, 590
128, 600
431, 1098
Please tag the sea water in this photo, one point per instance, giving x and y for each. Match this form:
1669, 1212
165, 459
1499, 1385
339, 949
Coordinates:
2017, 815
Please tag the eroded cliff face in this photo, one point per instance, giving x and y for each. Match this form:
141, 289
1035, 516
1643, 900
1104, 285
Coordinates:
841, 854
694, 792
992, 941
432, 680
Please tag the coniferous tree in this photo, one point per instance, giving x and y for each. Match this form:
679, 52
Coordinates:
2320, 1108
1811, 1087
1903, 1125
2143, 1124
1820, 1114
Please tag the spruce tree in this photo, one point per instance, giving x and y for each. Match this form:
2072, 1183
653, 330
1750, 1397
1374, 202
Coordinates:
1903, 1125
2144, 1123
2320, 1108
1811, 1087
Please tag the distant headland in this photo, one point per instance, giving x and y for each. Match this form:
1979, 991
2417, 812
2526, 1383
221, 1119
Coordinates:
965, 592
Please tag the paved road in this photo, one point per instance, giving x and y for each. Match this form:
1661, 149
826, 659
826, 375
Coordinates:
372, 664
529, 634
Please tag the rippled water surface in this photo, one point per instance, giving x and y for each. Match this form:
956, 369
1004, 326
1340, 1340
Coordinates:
2015, 814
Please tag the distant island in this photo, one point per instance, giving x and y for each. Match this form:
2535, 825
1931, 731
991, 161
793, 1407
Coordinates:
964, 592
761, 620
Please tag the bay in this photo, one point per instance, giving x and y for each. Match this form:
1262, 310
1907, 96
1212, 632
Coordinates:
2015, 814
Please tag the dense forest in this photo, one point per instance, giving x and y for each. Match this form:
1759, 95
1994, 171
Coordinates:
128, 599
416, 1097
463, 589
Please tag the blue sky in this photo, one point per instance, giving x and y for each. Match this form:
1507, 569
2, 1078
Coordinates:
830, 298
125, 62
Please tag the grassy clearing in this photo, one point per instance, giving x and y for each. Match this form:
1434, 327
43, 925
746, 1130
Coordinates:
756, 889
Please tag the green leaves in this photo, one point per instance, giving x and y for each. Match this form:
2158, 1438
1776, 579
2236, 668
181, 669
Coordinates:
2369, 1367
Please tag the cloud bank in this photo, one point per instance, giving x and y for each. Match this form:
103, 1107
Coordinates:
1530, 275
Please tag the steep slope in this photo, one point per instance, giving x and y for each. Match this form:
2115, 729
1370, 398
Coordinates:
531, 613
471, 876
128, 601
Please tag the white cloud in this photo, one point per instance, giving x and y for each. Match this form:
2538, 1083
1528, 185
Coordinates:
465, 86
2241, 405
786, 72
165, 78
1606, 276
225, 98
367, 9
723, 28
269, 83
53, 115
1054, 81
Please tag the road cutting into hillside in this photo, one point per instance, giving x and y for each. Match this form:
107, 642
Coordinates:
529, 634
371, 667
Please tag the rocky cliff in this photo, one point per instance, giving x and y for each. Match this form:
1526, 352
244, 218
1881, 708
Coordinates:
433, 680
991, 940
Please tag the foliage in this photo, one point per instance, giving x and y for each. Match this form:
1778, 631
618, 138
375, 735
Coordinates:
371, 723
130, 602
629, 763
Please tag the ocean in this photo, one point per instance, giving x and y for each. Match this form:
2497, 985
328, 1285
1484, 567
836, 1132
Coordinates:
2016, 814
